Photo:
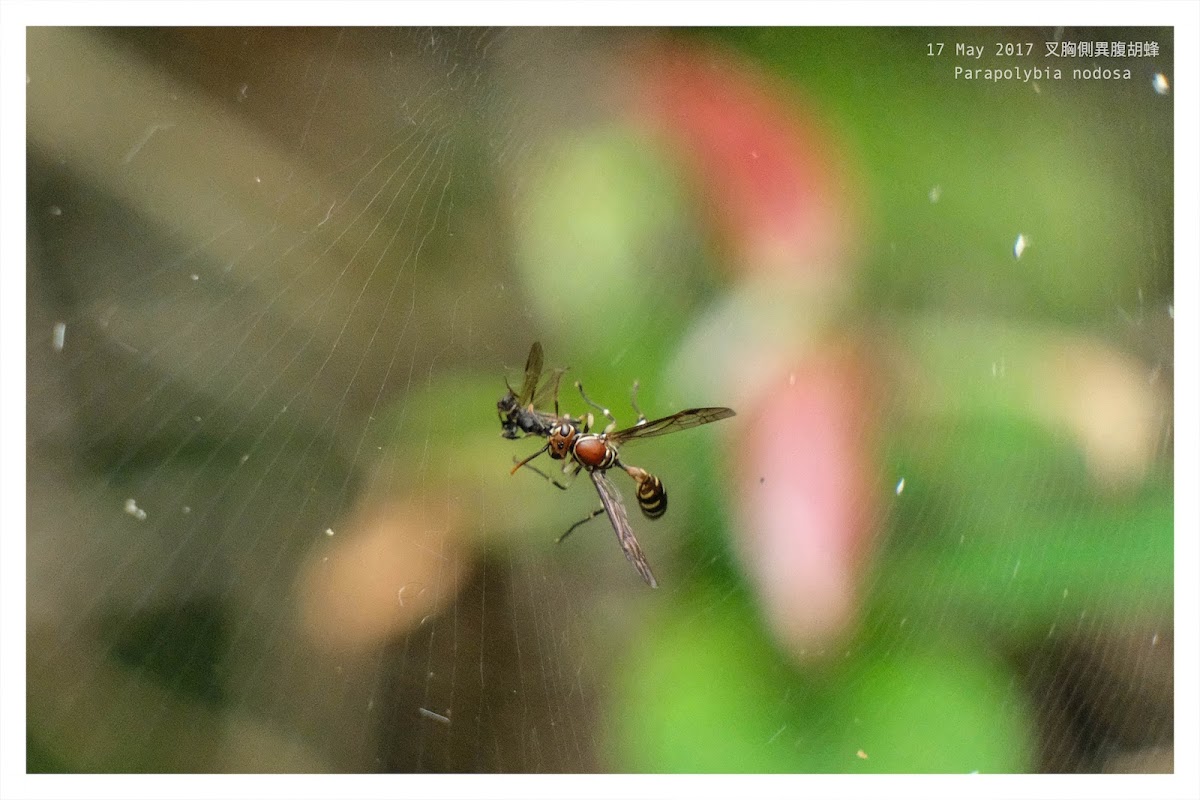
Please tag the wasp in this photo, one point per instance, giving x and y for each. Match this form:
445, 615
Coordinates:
518, 412
574, 442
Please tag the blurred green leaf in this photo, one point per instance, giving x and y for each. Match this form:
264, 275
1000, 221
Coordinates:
1000, 520
707, 693
605, 241
989, 553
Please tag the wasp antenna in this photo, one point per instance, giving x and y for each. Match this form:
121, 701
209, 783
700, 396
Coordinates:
530, 458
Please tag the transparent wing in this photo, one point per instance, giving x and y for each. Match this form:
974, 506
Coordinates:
611, 499
544, 398
533, 371
676, 422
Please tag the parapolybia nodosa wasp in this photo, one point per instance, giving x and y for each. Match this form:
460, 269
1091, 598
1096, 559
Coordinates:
573, 442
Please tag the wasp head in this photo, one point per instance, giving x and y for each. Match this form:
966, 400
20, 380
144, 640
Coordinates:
562, 436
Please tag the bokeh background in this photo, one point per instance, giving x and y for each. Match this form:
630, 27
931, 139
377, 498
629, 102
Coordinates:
277, 279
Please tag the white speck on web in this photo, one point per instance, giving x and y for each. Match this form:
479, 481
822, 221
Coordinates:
195, 277
1154, 641
137, 147
900, 486
60, 335
329, 531
425, 712
245, 457
1160, 83
861, 754
1020, 245
131, 508
935, 194
56, 211
187, 509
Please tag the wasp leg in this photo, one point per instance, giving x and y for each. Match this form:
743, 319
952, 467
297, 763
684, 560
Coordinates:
641, 418
549, 479
588, 518
612, 421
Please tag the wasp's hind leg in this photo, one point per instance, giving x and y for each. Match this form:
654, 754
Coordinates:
588, 518
612, 421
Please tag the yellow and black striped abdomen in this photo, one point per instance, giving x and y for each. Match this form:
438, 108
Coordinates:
652, 497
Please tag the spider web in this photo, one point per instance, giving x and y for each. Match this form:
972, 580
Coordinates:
275, 288
237, 344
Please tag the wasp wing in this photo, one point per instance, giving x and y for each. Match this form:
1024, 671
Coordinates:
680, 421
548, 393
620, 522
533, 371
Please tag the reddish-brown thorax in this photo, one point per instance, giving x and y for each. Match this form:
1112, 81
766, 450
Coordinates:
590, 451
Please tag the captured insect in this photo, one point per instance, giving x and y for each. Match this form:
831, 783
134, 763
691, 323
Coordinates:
572, 441
518, 412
